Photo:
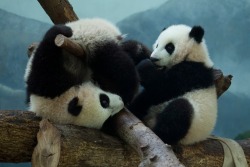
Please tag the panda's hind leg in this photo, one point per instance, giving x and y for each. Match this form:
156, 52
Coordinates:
174, 122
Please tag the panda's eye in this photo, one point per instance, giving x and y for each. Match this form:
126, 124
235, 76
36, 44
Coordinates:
104, 100
156, 46
170, 48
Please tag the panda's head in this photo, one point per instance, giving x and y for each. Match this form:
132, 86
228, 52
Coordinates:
92, 32
93, 106
179, 43
84, 105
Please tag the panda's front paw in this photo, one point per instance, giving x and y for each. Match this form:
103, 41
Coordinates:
136, 50
145, 67
147, 72
55, 30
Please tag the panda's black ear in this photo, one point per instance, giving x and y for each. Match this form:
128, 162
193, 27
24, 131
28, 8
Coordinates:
197, 33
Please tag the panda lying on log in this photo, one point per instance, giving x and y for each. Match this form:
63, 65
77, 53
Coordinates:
60, 85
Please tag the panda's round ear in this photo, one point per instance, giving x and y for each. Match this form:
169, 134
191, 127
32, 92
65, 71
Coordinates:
197, 33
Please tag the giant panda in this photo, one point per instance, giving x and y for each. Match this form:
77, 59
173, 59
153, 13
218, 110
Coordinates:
109, 62
84, 105
52, 73
179, 101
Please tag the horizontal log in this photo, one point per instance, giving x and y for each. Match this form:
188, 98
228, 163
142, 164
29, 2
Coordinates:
89, 147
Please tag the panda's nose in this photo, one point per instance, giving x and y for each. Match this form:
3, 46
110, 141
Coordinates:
154, 59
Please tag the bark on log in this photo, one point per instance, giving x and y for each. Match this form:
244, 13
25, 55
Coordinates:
79, 146
222, 82
152, 150
88, 147
48, 148
59, 11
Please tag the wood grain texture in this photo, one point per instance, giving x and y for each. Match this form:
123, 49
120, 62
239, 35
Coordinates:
60, 11
92, 148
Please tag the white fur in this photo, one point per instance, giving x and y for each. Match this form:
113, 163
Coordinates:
204, 102
93, 115
185, 47
90, 33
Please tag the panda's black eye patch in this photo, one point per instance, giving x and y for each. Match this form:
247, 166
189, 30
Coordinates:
156, 46
104, 100
73, 107
170, 48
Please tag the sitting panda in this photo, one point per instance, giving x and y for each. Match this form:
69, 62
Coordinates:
84, 105
179, 101
51, 71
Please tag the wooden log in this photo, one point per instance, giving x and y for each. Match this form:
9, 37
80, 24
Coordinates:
222, 82
152, 150
91, 148
60, 11
70, 46
79, 146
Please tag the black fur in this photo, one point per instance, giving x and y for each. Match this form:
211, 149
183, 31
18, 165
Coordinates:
48, 77
174, 121
136, 50
104, 100
197, 33
73, 107
170, 48
111, 64
114, 71
161, 85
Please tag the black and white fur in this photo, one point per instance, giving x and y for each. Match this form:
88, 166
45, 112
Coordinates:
54, 77
179, 100
84, 105
51, 70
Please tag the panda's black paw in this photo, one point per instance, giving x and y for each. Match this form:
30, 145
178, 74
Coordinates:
136, 50
55, 30
147, 72
73, 107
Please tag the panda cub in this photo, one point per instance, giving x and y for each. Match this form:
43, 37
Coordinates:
179, 100
51, 70
54, 76
84, 105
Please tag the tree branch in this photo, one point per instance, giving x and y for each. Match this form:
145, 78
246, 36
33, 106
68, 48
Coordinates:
70, 46
152, 150
88, 147
59, 11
